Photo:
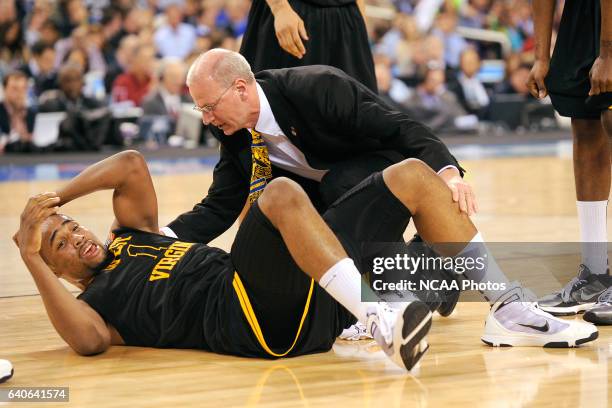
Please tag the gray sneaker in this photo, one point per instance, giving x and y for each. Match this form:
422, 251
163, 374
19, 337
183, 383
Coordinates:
580, 294
601, 313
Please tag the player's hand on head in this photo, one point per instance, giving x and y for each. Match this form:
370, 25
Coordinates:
600, 77
37, 209
535, 81
290, 31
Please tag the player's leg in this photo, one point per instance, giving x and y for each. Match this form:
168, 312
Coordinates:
514, 319
592, 179
601, 312
319, 253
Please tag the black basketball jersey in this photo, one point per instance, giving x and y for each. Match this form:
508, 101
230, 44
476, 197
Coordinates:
158, 291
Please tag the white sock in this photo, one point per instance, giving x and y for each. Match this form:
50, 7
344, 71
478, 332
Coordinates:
594, 234
476, 248
344, 283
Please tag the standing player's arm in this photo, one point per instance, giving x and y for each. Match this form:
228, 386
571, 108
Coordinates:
362, 8
289, 27
601, 72
543, 12
76, 322
134, 199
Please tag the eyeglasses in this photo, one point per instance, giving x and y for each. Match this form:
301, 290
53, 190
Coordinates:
211, 107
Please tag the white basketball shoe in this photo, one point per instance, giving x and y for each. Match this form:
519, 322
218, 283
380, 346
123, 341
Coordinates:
516, 320
401, 333
6, 370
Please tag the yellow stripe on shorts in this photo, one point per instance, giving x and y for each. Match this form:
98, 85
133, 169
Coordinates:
249, 313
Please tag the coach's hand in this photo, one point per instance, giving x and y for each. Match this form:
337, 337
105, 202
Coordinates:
462, 191
601, 76
38, 208
535, 82
290, 29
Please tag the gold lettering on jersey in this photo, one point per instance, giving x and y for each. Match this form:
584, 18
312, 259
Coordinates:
144, 250
115, 248
172, 256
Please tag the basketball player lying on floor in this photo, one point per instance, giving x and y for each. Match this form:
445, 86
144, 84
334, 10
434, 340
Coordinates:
262, 299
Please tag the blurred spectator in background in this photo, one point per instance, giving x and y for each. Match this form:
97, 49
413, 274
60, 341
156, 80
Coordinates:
49, 32
391, 89
69, 15
78, 57
433, 104
35, 20
88, 121
469, 90
516, 81
11, 36
16, 119
134, 84
175, 38
121, 60
234, 17
41, 67
69, 96
167, 98
475, 13
79, 40
454, 44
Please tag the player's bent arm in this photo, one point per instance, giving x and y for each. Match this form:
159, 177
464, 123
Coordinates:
74, 320
134, 199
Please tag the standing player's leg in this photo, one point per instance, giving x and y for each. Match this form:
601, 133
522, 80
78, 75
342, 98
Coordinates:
318, 252
592, 179
601, 313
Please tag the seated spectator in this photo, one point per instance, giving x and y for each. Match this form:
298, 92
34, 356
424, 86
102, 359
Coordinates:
166, 100
515, 82
16, 119
69, 97
69, 15
391, 89
123, 56
475, 13
434, 105
469, 90
35, 20
41, 67
80, 40
175, 38
454, 44
88, 122
134, 84
11, 45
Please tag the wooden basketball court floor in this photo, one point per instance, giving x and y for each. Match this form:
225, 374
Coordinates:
521, 200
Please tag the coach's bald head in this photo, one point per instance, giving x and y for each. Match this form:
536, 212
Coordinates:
223, 87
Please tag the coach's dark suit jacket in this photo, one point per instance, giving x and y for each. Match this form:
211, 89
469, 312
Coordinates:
331, 118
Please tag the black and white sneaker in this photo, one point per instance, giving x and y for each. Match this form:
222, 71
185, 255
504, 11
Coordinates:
601, 313
401, 332
580, 294
6, 370
515, 320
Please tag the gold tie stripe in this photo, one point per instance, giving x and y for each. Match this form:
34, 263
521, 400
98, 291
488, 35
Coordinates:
261, 171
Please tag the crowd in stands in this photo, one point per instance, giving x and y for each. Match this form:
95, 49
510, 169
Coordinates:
115, 68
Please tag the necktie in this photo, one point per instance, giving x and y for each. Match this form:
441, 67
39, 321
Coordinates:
262, 169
